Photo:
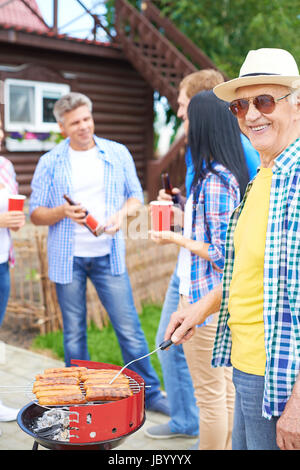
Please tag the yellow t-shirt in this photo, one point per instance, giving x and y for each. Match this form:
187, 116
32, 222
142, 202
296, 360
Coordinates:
246, 288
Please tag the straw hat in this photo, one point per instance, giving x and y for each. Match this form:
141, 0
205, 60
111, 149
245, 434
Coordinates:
262, 66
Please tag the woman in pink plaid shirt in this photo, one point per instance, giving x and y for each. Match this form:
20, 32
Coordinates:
9, 220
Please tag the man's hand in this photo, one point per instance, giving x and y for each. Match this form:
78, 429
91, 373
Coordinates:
76, 213
183, 322
13, 220
288, 425
114, 223
181, 326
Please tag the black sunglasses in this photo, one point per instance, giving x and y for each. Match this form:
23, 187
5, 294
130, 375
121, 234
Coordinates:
264, 103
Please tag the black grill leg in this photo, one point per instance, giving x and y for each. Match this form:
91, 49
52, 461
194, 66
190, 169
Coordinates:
35, 445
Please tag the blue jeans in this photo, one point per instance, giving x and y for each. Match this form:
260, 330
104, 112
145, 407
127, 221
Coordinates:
4, 289
177, 378
116, 296
251, 431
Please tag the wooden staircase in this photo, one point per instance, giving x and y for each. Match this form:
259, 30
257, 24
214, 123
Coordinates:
163, 56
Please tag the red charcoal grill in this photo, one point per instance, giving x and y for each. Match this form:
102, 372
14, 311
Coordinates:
96, 426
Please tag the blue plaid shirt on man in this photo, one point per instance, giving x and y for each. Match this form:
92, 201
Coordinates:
52, 179
281, 309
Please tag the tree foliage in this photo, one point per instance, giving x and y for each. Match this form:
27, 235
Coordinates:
225, 30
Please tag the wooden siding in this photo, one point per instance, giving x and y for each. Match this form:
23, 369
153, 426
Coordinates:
123, 101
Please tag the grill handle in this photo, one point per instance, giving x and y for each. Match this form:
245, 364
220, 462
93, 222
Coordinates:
165, 344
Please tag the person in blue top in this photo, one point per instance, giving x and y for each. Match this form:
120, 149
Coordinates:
184, 419
100, 176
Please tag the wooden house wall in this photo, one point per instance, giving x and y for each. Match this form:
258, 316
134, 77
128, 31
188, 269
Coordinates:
122, 101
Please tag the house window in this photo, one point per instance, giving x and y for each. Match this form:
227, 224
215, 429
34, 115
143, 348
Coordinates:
29, 105
29, 120
21, 104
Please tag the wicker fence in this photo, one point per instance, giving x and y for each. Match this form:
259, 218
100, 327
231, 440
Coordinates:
33, 300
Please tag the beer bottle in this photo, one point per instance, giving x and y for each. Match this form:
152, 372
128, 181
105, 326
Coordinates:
176, 198
91, 223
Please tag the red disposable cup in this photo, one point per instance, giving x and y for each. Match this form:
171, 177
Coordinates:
16, 202
161, 213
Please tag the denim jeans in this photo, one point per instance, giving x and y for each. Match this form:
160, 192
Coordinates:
177, 378
116, 296
4, 289
251, 431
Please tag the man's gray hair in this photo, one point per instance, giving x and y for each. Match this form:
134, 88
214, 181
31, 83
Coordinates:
294, 97
70, 102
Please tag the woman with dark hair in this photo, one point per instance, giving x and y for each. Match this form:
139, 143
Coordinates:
220, 179
214, 137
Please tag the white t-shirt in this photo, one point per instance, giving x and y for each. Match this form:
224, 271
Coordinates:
4, 233
184, 257
87, 171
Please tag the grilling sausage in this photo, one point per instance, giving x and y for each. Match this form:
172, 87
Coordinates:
100, 379
71, 399
62, 370
55, 389
56, 375
106, 376
107, 394
105, 372
57, 381
54, 386
99, 385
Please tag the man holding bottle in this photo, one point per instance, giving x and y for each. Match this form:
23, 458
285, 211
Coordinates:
101, 175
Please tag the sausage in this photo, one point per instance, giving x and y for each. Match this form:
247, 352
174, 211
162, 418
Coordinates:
99, 379
99, 384
57, 381
101, 371
57, 375
61, 370
107, 394
56, 389
100, 375
71, 399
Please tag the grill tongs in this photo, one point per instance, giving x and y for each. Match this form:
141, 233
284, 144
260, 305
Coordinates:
162, 346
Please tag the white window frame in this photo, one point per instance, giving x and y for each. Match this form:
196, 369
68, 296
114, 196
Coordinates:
40, 88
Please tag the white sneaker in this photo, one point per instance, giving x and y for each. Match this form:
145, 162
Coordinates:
8, 414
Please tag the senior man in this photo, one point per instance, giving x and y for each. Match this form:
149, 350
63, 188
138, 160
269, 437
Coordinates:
259, 323
100, 175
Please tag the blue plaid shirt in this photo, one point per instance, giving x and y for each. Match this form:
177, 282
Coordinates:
52, 179
281, 308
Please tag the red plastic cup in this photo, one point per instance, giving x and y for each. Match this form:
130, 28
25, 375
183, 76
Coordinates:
161, 212
16, 202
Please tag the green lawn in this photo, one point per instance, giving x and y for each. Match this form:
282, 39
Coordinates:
103, 345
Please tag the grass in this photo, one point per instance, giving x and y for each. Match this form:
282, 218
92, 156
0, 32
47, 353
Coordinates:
103, 345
